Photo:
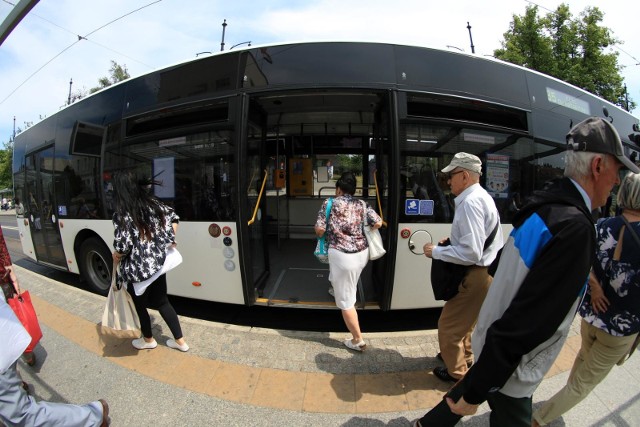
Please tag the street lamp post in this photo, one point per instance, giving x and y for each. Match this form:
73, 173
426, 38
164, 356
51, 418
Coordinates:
473, 50
224, 27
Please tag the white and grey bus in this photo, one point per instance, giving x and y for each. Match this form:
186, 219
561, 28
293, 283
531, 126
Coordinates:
248, 142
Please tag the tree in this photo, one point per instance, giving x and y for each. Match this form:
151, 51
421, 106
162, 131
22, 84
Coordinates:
117, 73
571, 49
6, 166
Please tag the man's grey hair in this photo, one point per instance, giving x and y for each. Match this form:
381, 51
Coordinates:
577, 164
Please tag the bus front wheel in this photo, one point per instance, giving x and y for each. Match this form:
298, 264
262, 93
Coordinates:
95, 265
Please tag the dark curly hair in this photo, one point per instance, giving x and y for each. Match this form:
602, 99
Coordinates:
347, 183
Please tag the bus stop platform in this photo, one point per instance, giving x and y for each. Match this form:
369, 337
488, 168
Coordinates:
247, 376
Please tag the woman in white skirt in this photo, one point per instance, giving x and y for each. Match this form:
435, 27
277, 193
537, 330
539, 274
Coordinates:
348, 250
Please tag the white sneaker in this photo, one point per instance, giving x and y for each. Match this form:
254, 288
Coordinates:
141, 344
173, 344
357, 347
331, 291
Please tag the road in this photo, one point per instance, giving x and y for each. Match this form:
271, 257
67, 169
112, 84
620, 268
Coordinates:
258, 316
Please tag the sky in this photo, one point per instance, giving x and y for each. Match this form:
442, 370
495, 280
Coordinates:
44, 52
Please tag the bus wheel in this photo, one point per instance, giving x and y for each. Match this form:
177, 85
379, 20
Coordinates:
95, 265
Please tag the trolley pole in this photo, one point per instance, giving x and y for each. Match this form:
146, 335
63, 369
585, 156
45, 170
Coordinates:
224, 27
473, 50
626, 97
69, 98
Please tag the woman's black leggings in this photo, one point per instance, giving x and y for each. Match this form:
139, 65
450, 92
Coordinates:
155, 296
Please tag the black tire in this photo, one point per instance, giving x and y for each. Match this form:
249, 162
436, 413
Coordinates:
95, 264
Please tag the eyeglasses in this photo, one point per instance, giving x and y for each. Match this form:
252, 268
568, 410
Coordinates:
451, 174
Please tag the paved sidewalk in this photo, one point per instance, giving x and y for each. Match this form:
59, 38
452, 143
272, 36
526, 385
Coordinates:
250, 376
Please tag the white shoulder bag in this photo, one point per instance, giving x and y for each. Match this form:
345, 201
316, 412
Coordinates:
374, 239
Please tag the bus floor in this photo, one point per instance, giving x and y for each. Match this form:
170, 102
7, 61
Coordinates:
298, 278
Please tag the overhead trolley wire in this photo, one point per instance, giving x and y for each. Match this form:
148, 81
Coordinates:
72, 44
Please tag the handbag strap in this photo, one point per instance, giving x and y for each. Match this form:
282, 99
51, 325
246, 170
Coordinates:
492, 236
364, 213
327, 213
633, 232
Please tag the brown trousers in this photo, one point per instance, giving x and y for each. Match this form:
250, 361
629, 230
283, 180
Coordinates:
459, 317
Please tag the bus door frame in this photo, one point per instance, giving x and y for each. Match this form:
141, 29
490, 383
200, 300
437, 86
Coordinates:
384, 268
248, 245
44, 226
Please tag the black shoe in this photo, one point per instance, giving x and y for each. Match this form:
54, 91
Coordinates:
439, 357
443, 374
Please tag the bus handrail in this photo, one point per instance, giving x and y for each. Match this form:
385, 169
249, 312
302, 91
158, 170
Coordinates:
333, 188
375, 183
255, 210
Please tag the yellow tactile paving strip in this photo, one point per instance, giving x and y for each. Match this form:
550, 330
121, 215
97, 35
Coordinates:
266, 387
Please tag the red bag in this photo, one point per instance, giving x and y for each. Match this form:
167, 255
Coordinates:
23, 308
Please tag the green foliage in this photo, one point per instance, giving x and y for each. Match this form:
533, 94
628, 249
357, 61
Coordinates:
572, 49
6, 172
117, 73
348, 163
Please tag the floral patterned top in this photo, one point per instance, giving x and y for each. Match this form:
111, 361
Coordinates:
620, 280
345, 223
143, 258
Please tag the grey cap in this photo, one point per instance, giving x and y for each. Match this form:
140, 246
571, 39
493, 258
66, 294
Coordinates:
597, 135
465, 161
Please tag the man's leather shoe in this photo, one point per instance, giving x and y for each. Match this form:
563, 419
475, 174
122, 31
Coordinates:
443, 374
29, 358
439, 357
105, 413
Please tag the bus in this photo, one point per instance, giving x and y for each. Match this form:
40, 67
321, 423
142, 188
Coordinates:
247, 143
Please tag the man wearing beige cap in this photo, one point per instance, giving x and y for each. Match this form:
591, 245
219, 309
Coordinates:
475, 241
540, 280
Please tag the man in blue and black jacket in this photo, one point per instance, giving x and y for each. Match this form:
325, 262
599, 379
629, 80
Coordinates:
540, 279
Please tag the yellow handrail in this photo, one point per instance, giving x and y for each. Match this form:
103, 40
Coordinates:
375, 182
255, 211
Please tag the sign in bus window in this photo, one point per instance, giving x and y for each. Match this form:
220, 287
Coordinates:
418, 207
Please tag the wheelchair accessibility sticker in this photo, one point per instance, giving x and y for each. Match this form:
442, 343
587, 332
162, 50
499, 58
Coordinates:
418, 207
